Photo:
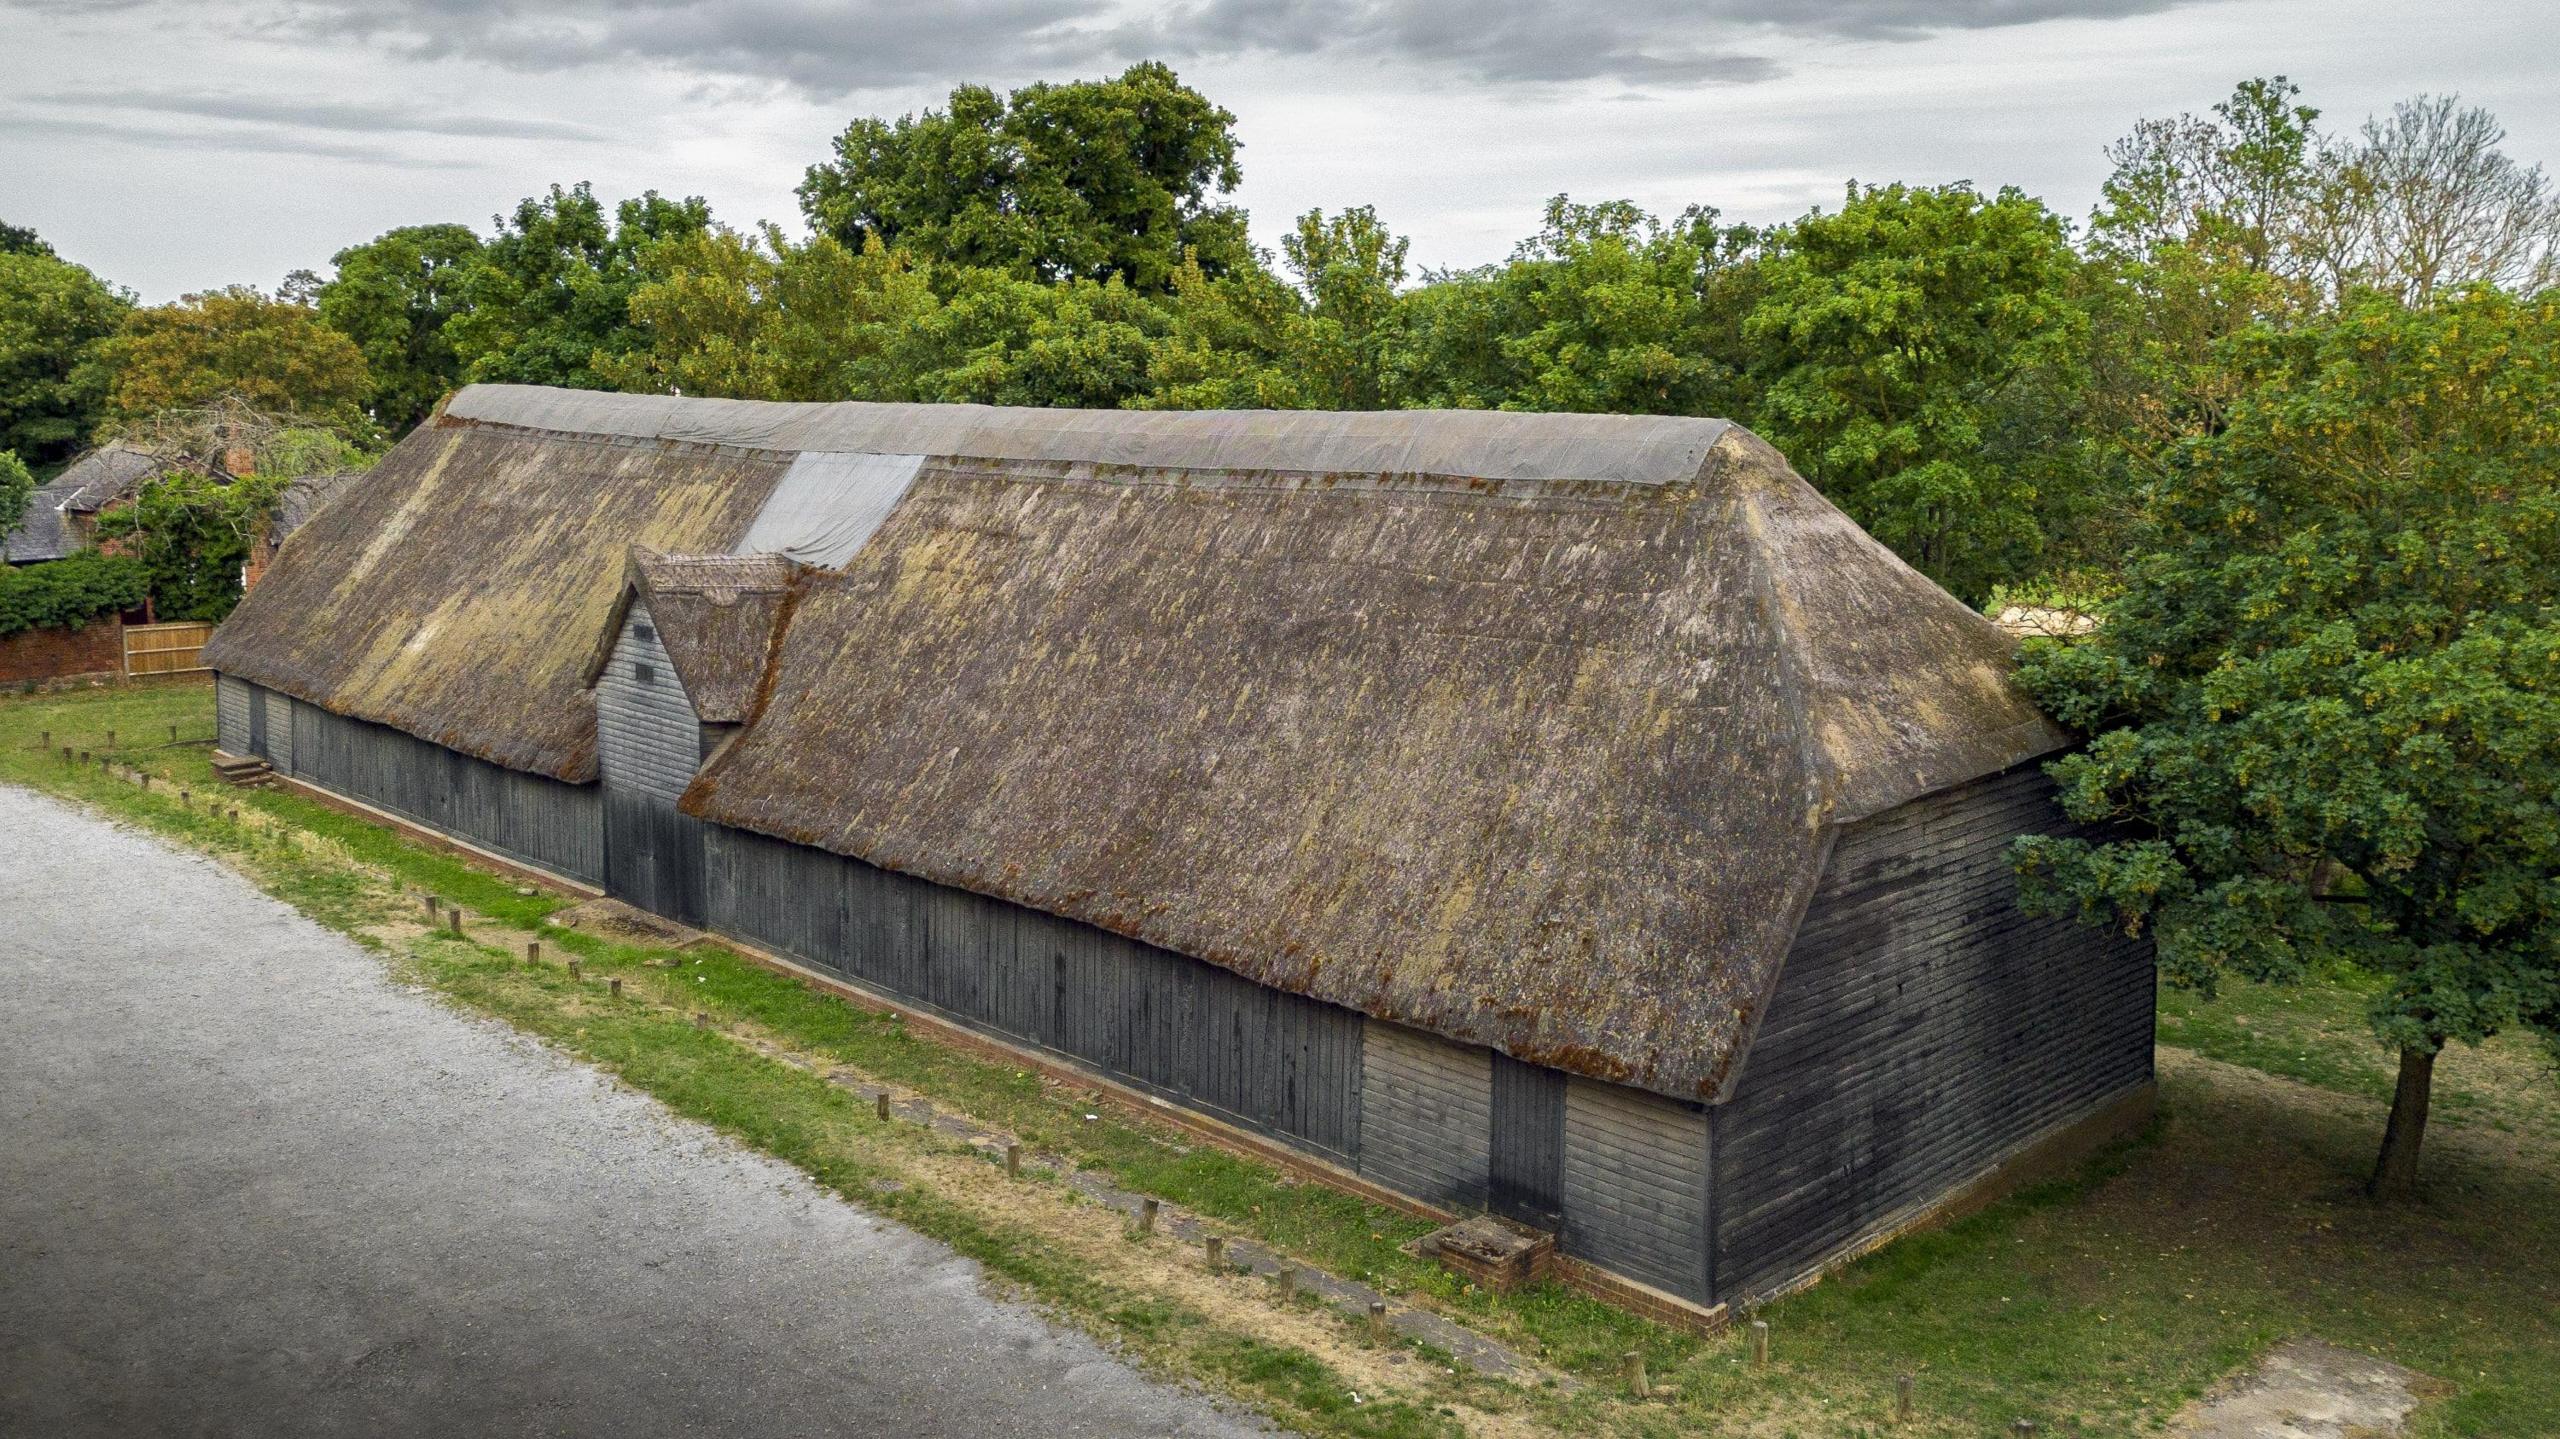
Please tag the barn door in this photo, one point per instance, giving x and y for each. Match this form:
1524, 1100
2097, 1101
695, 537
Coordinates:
1526, 1178
258, 723
653, 857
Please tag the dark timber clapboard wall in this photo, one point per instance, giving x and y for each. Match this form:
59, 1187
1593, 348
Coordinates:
542, 822
1922, 1031
1426, 1115
649, 742
1272, 1061
648, 738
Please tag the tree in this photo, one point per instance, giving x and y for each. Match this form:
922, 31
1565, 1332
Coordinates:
1090, 180
1002, 340
1247, 339
2325, 710
1919, 349
17, 486
1606, 309
761, 317
53, 315
2429, 203
192, 533
551, 292
272, 354
393, 295
19, 240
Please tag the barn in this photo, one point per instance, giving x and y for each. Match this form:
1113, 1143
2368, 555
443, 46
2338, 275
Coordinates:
1568, 817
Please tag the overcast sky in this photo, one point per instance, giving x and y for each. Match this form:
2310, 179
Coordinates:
174, 145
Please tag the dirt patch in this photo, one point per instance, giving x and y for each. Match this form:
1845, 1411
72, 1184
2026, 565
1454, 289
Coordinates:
2309, 1389
612, 919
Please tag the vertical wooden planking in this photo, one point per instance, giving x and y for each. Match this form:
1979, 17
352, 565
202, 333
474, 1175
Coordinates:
1525, 1179
231, 714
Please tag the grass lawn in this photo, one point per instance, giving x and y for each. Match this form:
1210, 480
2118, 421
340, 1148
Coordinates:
2099, 1306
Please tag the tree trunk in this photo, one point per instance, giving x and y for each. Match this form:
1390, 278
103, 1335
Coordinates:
2395, 1173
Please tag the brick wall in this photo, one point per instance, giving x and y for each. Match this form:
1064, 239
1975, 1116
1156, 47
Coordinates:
45, 653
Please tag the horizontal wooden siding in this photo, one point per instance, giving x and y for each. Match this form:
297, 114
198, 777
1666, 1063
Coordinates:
1923, 1030
1426, 1115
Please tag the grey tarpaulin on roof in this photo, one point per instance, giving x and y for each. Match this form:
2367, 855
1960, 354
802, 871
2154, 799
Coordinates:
1475, 444
827, 504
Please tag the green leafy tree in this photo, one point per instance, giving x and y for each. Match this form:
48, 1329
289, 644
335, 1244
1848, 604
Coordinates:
191, 533
53, 316
272, 354
1247, 339
17, 486
1606, 309
762, 317
393, 295
1089, 180
551, 293
68, 593
19, 240
1917, 348
2325, 709
1000, 340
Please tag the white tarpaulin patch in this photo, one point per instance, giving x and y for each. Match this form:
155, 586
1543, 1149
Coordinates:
827, 505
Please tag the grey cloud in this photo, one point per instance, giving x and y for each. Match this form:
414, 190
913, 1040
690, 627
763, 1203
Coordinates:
831, 47
359, 117
822, 48
263, 142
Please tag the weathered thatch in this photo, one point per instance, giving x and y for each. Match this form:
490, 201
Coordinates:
717, 616
455, 590
1527, 730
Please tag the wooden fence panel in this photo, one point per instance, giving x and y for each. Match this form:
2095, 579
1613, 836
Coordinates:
170, 649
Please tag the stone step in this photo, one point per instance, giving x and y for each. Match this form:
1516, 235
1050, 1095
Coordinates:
243, 772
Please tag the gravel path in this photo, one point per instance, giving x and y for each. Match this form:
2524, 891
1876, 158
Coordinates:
249, 1185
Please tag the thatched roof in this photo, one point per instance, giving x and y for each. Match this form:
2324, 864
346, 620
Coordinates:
715, 614
455, 589
1527, 730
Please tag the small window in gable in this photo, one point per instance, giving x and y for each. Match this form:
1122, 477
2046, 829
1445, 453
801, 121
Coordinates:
648, 633
644, 672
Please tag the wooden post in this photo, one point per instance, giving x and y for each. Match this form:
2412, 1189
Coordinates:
1146, 1216
616, 986
1287, 1279
1378, 1320
111, 739
1633, 1363
433, 905
186, 799
533, 951
1760, 1343
880, 1105
2023, 1428
1213, 1252
702, 1020
84, 759
173, 734
1902, 1399
453, 921
66, 756
45, 740
1013, 1161
573, 969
